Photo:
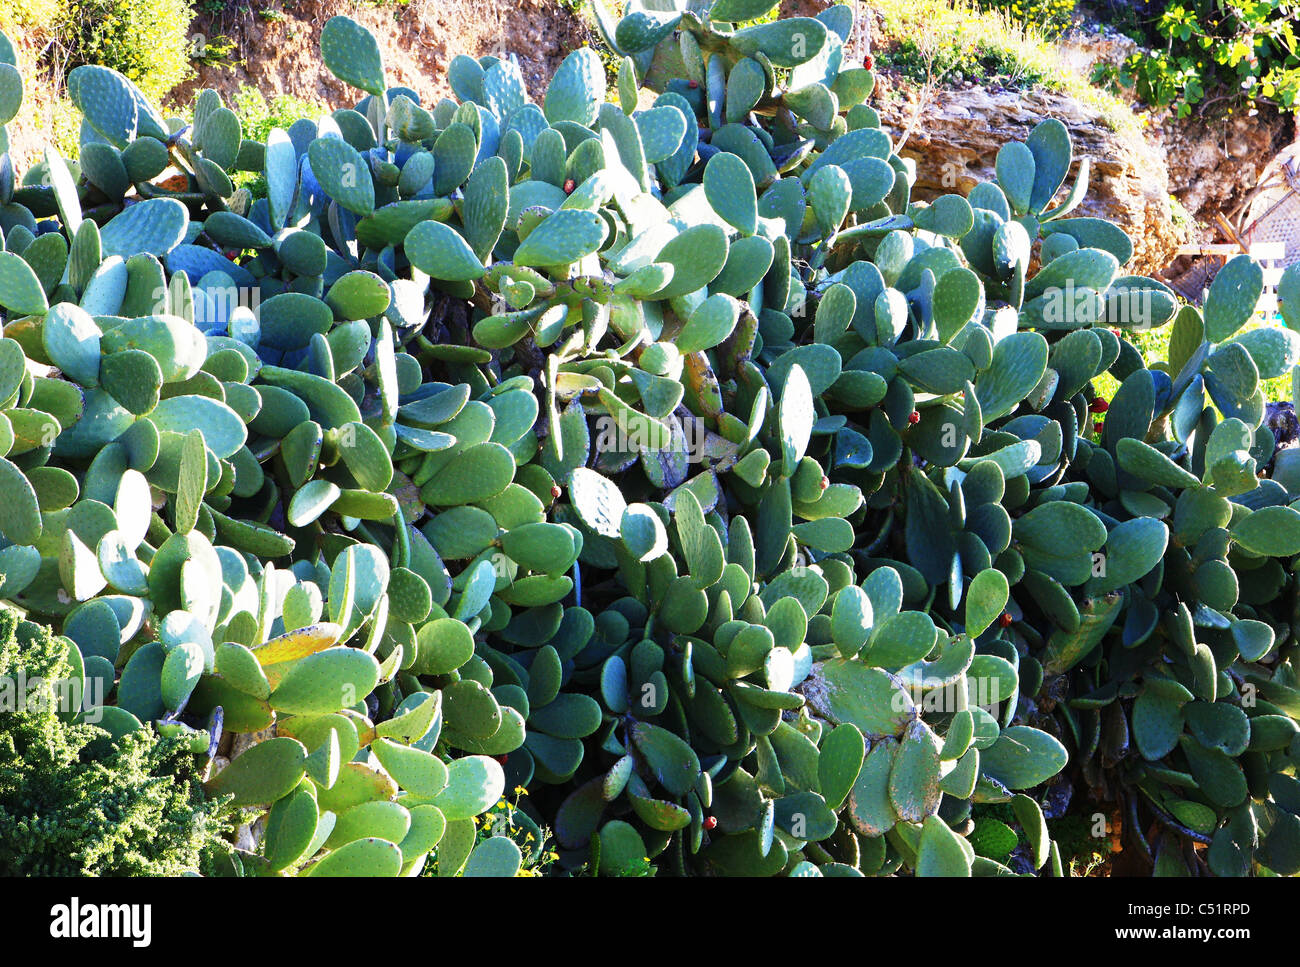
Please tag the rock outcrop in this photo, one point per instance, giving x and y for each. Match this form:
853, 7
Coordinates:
1215, 164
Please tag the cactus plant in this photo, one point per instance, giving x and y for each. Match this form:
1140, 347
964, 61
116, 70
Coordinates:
663, 457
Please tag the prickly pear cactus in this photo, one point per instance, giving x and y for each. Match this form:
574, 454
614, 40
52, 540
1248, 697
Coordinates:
656, 453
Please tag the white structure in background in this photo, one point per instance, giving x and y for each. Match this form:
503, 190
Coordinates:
1269, 231
1273, 210
1271, 257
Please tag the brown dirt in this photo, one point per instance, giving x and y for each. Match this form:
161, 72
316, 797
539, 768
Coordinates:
418, 40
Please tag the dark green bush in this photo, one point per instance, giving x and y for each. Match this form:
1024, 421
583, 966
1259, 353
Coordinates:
71, 802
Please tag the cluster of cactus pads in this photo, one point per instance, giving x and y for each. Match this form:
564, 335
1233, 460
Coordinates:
651, 449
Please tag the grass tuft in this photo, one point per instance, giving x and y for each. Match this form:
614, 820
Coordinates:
952, 41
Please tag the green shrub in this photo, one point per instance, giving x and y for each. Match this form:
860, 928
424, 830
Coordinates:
258, 117
74, 804
1207, 52
146, 41
658, 455
1050, 17
954, 64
